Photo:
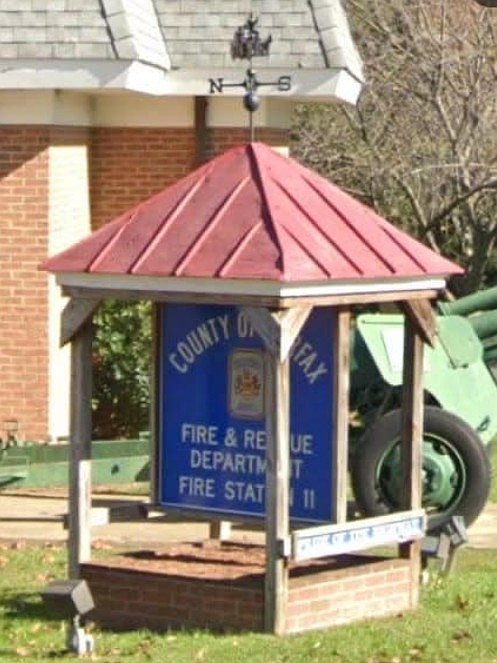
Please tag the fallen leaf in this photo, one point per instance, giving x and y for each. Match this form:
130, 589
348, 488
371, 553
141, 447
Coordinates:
199, 656
3, 561
461, 603
415, 653
460, 636
23, 651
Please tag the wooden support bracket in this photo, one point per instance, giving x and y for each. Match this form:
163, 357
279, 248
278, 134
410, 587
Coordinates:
420, 313
269, 326
75, 314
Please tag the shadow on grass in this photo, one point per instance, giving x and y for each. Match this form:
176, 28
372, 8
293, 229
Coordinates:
54, 654
25, 605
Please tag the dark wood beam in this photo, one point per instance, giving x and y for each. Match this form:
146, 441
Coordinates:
421, 315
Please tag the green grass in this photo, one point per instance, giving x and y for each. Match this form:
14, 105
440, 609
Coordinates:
455, 622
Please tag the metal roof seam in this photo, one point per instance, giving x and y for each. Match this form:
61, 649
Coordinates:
165, 225
307, 251
390, 232
105, 250
326, 236
211, 224
238, 249
363, 237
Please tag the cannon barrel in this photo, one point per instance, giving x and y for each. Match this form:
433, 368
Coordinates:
484, 324
478, 301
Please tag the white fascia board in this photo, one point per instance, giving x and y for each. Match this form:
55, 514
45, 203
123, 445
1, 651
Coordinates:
131, 282
307, 84
81, 75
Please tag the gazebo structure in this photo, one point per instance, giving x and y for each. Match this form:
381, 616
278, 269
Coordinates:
254, 233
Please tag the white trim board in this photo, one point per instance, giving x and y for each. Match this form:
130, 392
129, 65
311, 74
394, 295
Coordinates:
307, 84
131, 282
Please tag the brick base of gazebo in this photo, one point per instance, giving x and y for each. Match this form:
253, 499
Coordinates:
131, 593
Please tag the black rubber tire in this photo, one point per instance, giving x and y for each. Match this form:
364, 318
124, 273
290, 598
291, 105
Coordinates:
385, 433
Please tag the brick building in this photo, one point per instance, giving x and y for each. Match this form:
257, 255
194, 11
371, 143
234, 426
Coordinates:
105, 102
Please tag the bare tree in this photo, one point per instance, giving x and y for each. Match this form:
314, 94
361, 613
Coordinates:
421, 146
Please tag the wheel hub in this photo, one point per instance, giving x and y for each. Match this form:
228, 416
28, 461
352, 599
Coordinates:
443, 475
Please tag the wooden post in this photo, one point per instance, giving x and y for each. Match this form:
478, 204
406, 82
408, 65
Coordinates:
201, 131
80, 450
411, 441
155, 400
278, 330
340, 441
220, 530
277, 405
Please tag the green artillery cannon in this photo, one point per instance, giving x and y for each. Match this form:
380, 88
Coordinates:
460, 420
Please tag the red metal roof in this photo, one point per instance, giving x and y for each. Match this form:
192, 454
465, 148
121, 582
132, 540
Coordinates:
252, 213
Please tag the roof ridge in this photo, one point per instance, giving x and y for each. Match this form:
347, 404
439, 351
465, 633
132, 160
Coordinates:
135, 31
253, 153
335, 39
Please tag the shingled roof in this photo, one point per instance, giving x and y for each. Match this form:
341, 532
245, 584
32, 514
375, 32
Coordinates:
310, 35
256, 217
77, 29
58, 43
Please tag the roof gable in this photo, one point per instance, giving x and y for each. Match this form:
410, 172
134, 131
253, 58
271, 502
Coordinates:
182, 44
40, 29
76, 29
306, 34
252, 213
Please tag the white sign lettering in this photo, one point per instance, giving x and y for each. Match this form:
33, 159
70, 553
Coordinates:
221, 328
328, 540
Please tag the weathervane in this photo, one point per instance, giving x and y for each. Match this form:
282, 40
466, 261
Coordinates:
245, 45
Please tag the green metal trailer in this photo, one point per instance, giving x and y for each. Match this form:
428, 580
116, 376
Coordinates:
47, 465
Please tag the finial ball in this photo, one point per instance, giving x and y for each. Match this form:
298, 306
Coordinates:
251, 102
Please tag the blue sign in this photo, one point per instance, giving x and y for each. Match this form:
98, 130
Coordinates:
212, 420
